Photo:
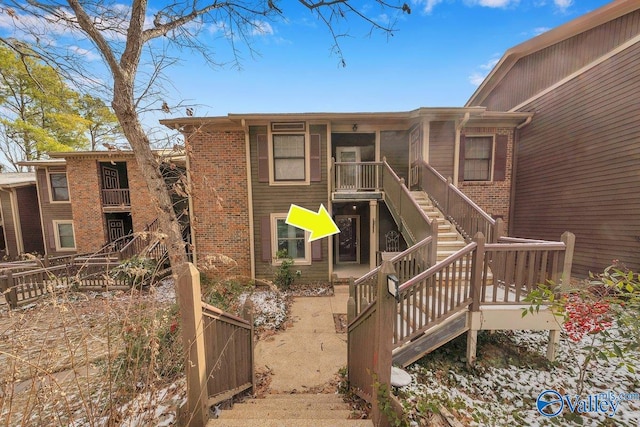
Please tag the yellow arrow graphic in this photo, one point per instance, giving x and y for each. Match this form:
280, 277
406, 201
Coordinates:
318, 224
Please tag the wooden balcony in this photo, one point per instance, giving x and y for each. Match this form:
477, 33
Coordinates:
356, 181
116, 200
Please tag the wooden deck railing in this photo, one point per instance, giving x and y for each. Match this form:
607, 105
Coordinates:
116, 197
480, 274
139, 242
228, 342
466, 215
23, 287
435, 294
357, 176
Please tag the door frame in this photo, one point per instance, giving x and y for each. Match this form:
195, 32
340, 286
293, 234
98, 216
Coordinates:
357, 244
415, 156
356, 150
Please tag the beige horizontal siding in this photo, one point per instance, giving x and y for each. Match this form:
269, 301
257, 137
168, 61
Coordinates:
442, 136
278, 199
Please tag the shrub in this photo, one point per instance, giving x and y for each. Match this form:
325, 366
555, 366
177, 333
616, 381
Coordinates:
284, 275
135, 271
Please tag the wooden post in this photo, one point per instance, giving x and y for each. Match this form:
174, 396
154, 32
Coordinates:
569, 239
498, 230
11, 294
446, 196
247, 314
433, 247
476, 271
383, 341
193, 341
552, 345
45, 261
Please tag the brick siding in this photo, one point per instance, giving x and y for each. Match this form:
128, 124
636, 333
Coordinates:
220, 217
493, 197
83, 178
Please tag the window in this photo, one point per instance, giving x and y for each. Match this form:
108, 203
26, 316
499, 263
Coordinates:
288, 158
478, 152
65, 239
59, 187
293, 240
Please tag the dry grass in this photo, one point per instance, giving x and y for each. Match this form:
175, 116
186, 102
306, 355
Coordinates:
74, 359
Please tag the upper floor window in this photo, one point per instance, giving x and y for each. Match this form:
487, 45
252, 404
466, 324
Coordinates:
478, 154
59, 187
288, 158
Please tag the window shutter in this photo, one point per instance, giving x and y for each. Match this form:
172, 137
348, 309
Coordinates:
316, 158
316, 250
52, 236
461, 164
263, 158
265, 238
500, 164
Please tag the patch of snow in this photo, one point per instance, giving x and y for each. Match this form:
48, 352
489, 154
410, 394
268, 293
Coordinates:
270, 308
507, 396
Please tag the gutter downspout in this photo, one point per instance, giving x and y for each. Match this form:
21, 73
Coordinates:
247, 149
514, 166
456, 149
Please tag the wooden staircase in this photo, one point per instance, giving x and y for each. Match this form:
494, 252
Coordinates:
290, 410
449, 240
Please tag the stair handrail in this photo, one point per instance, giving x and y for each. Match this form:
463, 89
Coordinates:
134, 246
457, 294
395, 193
363, 289
471, 219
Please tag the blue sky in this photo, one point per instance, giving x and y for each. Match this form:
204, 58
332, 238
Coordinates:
437, 58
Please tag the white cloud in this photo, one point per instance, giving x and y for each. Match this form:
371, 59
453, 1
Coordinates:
490, 64
563, 4
493, 3
476, 78
86, 54
539, 30
427, 5
261, 28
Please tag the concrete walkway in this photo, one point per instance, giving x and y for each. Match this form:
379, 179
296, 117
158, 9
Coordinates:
309, 353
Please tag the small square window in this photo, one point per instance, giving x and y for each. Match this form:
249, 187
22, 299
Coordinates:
65, 238
59, 187
478, 152
288, 158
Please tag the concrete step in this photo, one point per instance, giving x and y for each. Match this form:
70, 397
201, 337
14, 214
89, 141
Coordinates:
288, 423
290, 413
322, 410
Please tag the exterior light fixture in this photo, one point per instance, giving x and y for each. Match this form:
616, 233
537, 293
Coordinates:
355, 127
392, 286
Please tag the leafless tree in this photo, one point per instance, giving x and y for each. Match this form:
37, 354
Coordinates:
127, 35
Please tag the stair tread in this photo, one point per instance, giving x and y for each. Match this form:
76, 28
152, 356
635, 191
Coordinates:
293, 412
289, 423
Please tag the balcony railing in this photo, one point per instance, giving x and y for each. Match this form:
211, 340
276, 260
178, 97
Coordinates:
357, 176
116, 197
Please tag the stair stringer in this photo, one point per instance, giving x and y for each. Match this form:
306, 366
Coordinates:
434, 337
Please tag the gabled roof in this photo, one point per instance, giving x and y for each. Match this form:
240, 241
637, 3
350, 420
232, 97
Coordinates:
579, 25
17, 179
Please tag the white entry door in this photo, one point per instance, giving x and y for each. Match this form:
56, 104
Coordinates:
349, 175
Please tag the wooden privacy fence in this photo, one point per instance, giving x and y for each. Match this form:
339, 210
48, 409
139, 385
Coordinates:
228, 342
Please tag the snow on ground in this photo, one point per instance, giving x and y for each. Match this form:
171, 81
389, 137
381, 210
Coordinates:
500, 396
270, 308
